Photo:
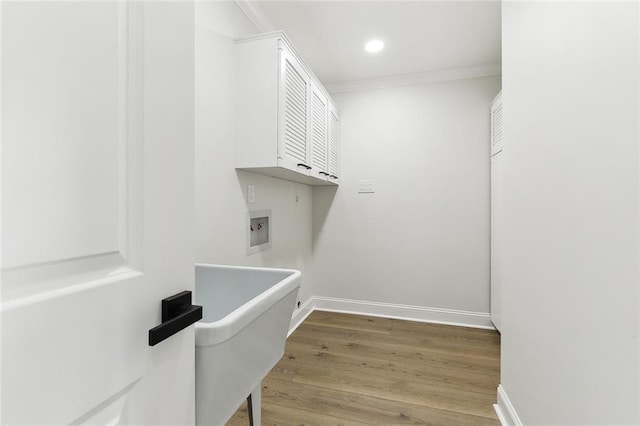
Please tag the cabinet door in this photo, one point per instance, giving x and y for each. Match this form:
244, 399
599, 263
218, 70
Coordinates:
318, 134
496, 124
334, 145
497, 176
293, 152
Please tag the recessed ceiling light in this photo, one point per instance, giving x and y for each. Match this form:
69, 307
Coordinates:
374, 46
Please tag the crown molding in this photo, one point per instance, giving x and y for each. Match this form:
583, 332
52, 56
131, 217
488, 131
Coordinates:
264, 36
256, 15
488, 70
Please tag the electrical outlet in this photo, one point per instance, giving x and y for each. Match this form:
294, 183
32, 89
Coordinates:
251, 193
297, 199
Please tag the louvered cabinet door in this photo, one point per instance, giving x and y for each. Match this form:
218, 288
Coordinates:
496, 124
293, 150
497, 211
318, 134
333, 160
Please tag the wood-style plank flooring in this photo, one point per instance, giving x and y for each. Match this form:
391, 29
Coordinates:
341, 369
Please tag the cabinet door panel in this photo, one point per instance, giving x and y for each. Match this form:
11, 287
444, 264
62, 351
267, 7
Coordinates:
294, 91
318, 134
334, 145
496, 125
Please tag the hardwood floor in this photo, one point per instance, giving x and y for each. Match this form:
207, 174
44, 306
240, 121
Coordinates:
343, 369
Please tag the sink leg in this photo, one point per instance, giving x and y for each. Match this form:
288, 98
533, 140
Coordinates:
254, 405
250, 409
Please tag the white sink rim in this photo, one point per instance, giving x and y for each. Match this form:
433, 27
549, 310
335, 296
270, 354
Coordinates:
213, 333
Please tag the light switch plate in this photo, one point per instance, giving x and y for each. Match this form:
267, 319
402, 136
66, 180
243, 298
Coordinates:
366, 186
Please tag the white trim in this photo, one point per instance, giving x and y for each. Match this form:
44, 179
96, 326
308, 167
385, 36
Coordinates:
405, 312
300, 314
505, 411
265, 36
256, 15
488, 70
389, 310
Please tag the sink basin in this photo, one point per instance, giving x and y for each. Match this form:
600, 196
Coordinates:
246, 316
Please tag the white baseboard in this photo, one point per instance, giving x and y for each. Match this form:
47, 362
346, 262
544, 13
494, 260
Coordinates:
505, 411
389, 310
405, 312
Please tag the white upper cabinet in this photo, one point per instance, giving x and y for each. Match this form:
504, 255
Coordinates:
283, 121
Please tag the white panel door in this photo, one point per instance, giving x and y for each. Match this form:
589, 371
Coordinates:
97, 195
293, 151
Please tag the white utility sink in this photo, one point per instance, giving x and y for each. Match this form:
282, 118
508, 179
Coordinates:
241, 337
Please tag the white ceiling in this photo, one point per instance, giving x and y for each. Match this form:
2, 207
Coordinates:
419, 36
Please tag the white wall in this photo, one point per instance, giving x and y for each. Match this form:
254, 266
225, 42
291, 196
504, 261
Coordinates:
570, 293
422, 238
221, 207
